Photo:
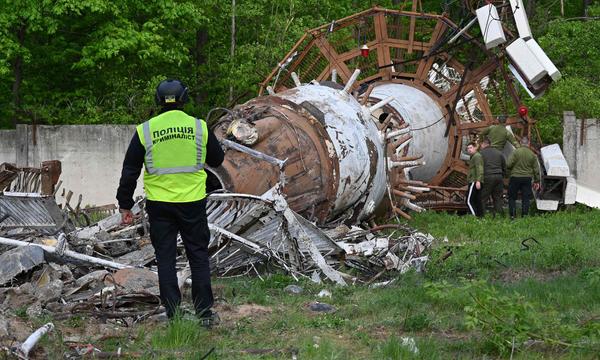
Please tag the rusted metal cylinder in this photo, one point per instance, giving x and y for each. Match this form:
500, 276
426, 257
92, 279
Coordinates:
335, 166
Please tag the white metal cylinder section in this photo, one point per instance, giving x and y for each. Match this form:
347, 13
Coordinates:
355, 140
427, 124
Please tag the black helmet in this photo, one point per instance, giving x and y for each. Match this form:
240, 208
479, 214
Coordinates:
171, 92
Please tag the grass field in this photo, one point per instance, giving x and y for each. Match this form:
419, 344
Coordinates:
494, 296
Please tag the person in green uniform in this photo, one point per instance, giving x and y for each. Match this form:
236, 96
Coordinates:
498, 135
523, 167
494, 170
474, 179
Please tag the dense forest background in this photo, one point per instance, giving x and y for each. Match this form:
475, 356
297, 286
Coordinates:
99, 61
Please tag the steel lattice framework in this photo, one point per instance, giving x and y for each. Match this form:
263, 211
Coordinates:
413, 48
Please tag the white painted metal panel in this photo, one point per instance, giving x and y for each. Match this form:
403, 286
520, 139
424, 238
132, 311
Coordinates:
525, 60
520, 15
350, 131
571, 191
543, 59
427, 123
491, 26
554, 161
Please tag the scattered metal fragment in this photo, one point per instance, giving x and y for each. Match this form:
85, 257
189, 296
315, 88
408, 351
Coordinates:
67, 254
19, 260
32, 210
41, 180
25, 348
108, 269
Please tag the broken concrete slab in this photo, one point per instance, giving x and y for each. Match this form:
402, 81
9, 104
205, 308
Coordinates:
50, 272
293, 289
588, 196
19, 260
97, 275
134, 280
35, 310
139, 257
49, 292
17, 297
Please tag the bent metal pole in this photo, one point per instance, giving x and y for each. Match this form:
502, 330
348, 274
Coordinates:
66, 253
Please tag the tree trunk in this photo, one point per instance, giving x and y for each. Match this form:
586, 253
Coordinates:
200, 93
17, 67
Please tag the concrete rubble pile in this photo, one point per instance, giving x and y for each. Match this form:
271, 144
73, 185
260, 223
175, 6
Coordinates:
107, 270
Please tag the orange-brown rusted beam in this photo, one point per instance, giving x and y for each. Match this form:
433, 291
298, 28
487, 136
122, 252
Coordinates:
404, 44
401, 213
403, 194
411, 28
383, 51
425, 64
333, 57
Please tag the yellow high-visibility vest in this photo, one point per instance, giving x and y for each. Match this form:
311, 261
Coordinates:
175, 146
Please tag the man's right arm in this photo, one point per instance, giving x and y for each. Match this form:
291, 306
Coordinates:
478, 167
510, 137
511, 162
132, 166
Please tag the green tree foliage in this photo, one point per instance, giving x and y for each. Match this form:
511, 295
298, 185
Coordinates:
91, 61
574, 48
98, 61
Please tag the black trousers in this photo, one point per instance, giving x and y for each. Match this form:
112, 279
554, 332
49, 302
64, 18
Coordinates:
516, 185
188, 219
493, 186
474, 200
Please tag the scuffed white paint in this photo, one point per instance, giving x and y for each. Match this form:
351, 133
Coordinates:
349, 128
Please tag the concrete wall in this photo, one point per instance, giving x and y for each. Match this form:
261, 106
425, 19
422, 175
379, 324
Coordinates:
91, 155
581, 148
8, 152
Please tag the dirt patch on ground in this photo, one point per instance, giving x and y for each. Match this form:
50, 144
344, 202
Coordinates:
231, 313
512, 275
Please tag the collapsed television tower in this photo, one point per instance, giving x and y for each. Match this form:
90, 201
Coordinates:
371, 112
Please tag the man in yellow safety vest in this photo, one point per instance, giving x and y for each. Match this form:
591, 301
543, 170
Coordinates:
174, 147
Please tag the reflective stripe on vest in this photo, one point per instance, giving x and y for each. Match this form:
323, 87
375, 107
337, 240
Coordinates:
172, 170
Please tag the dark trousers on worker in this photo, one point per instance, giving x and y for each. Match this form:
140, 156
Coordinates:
493, 186
474, 200
188, 219
516, 185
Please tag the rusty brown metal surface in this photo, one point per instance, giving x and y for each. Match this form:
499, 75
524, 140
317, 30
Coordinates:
8, 173
287, 132
29, 179
50, 173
